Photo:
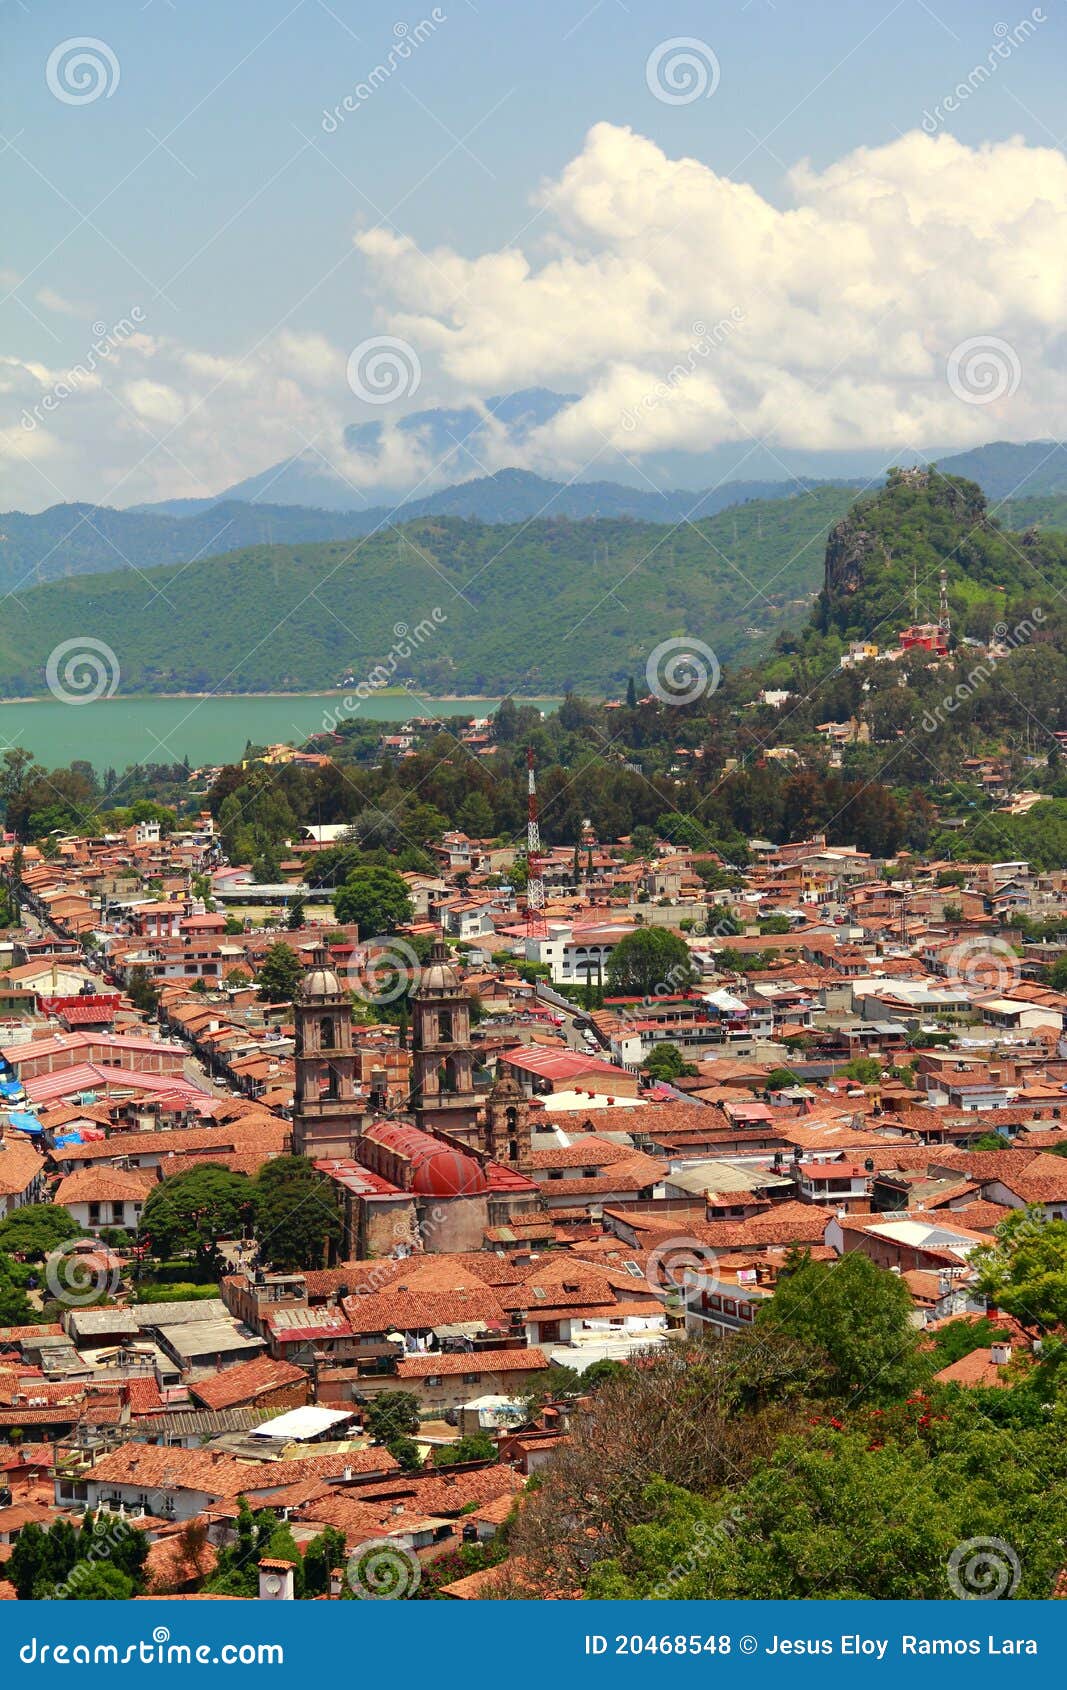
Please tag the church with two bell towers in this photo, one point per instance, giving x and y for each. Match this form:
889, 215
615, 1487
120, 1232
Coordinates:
330, 1114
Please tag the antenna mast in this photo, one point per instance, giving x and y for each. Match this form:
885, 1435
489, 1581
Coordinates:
535, 882
944, 621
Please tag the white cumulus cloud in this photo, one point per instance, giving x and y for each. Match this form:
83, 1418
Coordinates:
690, 311
687, 310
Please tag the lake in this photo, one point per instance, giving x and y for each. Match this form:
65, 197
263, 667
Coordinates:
114, 732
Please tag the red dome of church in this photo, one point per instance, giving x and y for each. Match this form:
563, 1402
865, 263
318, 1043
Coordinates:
437, 1170
447, 1173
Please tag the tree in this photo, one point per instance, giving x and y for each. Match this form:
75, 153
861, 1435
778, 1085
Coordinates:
406, 1453
376, 899
776, 924
140, 990
505, 722
992, 1141
191, 1211
700, 1414
780, 1079
1024, 1272
15, 1307
295, 919
865, 1070
321, 1556
475, 816
261, 1534
844, 1514
477, 1446
392, 1415
631, 694
857, 1316
68, 1564
666, 1062
38, 1229
652, 961
297, 1216
957, 1338
280, 974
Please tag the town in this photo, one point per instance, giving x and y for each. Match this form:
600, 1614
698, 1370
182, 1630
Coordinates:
328, 1215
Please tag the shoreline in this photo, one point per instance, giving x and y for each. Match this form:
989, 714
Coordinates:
322, 692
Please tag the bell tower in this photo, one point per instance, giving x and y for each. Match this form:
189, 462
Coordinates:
328, 1114
442, 1062
507, 1124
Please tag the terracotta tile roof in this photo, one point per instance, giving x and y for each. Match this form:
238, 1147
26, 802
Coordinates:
980, 1216
479, 1361
246, 1381
417, 1310
20, 1165
978, 1368
784, 1224
105, 1185
445, 1493
168, 1563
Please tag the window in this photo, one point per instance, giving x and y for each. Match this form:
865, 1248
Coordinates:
433, 1378
471, 1378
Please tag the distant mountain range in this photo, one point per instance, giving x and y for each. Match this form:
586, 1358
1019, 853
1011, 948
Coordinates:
68, 540
460, 440
456, 439
87, 539
536, 606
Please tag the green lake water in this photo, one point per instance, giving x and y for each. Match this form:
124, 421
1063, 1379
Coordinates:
115, 732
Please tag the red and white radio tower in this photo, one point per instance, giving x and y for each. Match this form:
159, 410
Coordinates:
535, 881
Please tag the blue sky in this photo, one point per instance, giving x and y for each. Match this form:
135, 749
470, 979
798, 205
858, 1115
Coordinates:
205, 191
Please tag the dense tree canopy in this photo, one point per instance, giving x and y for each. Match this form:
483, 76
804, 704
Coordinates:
35, 1230
376, 899
191, 1211
1024, 1272
280, 974
651, 959
857, 1316
297, 1214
